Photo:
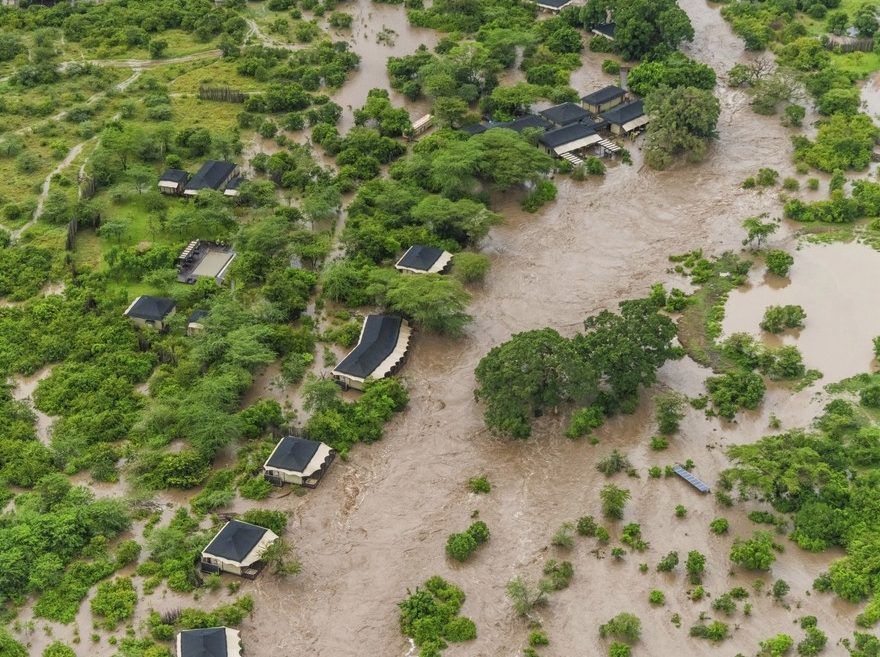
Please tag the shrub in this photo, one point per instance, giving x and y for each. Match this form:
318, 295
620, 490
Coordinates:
632, 536
584, 420
115, 601
780, 589
594, 166
614, 501
778, 262
813, 184
778, 318
479, 484
766, 177
470, 267
557, 575
270, 519
714, 631
870, 396
668, 562
613, 463
724, 603
680, 511
610, 66
719, 526
776, 646
256, 488
462, 545
586, 526
791, 184
670, 411
429, 616
656, 597
735, 390
617, 649
564, 536
756, 553
813, 643
538, 638
659, 443
695, 566
624, 627
57, 649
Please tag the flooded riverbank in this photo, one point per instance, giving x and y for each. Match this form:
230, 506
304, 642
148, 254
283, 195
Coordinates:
836, 288
378, 523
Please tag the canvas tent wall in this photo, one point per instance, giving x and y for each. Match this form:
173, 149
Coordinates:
603, 99
298, 461
381, 348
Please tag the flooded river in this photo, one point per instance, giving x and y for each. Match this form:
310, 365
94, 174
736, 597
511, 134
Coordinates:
378, 523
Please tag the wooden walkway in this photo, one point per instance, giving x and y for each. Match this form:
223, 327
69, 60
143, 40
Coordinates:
691, 479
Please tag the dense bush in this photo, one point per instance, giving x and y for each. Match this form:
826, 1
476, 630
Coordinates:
429, 616
778, 318
462, 545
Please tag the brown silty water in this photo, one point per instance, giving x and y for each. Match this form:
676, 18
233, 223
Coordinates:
377, 524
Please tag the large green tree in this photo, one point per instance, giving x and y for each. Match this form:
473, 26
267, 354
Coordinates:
532, 372
683, 122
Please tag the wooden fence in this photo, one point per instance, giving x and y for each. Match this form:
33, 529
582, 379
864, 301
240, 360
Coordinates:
223, 94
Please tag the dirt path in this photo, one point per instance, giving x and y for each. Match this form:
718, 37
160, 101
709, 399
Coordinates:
377, 524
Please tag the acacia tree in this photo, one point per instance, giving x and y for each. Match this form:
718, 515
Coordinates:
528, 374
683, 122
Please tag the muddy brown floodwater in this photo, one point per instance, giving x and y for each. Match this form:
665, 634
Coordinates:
378, 523
833, 285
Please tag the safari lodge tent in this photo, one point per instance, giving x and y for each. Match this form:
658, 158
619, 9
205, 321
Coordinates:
420, 259
209, 642
380, 351
237, 548
571, 138
627, 118
147, 311
566, 114
173, 181
553, 6
603, 99
214, 174
298, 461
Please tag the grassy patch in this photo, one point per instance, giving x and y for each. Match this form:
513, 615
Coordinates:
700, 322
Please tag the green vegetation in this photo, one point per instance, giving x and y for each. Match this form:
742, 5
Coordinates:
479, 484
778, 318
624, 627
461, 546
429, 616
607, 364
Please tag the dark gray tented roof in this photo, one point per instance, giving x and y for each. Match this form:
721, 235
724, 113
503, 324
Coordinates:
565, 113
293, 454
175, 175
603, 95
208, 642
523, 122
378, 339
151, 308
475, 128
624, 113
211, 175
606, 28
196, 315
235, 183
556, 4
420, 257
236, 540
566, 135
